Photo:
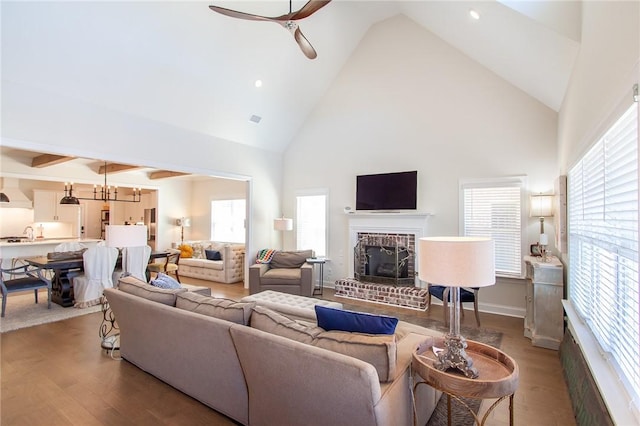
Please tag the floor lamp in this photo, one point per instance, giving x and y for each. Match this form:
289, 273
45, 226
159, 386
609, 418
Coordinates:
120, 236
456, 262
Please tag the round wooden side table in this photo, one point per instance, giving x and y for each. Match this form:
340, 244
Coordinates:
498, 377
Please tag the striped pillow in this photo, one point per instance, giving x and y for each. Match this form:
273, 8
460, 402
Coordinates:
265, 255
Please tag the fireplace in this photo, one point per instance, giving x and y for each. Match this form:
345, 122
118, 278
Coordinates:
385, 259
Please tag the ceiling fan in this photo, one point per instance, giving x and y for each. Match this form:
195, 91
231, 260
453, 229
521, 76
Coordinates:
287, 21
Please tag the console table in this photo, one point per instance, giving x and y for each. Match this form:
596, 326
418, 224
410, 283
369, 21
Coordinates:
498, 377
544, 323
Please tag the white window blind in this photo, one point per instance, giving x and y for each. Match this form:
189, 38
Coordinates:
494, 209
311, 223
227, 220
603, 245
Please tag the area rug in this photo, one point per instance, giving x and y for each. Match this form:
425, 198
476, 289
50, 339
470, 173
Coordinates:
23, 312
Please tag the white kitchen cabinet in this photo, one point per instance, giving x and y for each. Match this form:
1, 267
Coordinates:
47, 208
544, 320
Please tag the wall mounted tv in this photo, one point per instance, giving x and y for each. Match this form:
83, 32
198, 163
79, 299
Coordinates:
387, 191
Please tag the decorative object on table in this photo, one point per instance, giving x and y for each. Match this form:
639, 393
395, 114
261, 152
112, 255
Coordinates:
105, 194
125, 237
456, 262
183, 222
542, 206
535, 250
287, 21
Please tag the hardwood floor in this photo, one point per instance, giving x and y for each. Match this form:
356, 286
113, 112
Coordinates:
56, 374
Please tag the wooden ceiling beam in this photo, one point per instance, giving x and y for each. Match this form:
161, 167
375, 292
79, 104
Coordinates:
46, 160
117, 168
162, 174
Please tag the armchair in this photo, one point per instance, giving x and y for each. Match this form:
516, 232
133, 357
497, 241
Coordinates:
287, 272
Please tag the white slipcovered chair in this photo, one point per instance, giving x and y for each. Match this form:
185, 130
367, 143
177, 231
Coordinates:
99, 263
134, 262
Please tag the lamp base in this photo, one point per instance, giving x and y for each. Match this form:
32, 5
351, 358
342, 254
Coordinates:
454, 356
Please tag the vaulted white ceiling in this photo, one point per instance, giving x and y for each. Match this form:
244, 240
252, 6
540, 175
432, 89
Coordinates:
182, 64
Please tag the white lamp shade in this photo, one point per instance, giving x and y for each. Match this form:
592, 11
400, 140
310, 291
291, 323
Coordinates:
126, 235
283, 224
541, 206
457, 261
184, 222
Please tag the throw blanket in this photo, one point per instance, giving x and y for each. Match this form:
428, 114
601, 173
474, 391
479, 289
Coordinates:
265, 255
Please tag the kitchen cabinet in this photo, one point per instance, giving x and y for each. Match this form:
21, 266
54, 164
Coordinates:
47, 208
544, 319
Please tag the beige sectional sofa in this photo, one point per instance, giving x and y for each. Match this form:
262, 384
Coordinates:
259, 367
228, 270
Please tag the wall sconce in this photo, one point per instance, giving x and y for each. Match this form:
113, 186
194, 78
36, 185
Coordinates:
183, 222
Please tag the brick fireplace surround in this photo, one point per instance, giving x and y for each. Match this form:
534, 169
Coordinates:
414, 224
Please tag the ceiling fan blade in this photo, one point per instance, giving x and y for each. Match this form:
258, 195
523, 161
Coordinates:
309, 9
240, 15
304, 44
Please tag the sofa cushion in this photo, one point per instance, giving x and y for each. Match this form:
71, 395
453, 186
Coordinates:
378, 350
272, 322
186, 251
226, 309
165, 281
212, 254
290, 259
140, 288
281, 276
360, 322
203, 263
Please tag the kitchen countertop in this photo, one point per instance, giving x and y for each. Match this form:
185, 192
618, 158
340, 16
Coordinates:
48, 241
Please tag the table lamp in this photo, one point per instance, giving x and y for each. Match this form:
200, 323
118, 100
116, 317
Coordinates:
456, 262
283, 224
542, 206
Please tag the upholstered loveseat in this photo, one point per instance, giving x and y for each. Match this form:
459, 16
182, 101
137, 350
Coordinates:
228, 269
259, 367
286, 272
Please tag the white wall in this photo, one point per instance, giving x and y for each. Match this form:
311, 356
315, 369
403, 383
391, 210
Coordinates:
204, 192
408, 101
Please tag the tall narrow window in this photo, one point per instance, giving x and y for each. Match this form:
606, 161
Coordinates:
311, 222
603, 245
227, 220
493, 208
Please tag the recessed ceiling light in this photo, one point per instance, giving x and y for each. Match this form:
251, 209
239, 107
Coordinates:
258, 83
475, 15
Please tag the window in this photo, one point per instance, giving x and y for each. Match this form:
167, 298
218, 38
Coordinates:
311, 222
227, 220
603, 245
493, 208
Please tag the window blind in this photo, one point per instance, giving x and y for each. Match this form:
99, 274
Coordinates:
603, 245
494, 209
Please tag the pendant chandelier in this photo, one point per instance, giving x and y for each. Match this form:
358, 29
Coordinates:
105, 194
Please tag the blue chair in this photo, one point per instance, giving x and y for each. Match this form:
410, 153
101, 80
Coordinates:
467, 295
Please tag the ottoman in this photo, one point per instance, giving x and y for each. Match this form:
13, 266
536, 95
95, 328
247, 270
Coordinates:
290, 305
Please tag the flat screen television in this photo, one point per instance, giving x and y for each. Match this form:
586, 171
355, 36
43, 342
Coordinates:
387, 191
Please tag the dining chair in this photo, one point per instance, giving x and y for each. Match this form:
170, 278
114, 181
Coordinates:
134, 262
23, 278
99, 263
467, 295
168, 266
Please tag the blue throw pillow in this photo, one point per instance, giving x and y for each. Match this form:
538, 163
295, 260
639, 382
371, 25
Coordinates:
165, 281
337, 319
212, 255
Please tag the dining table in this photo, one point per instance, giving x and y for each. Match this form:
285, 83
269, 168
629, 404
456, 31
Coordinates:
66, 268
